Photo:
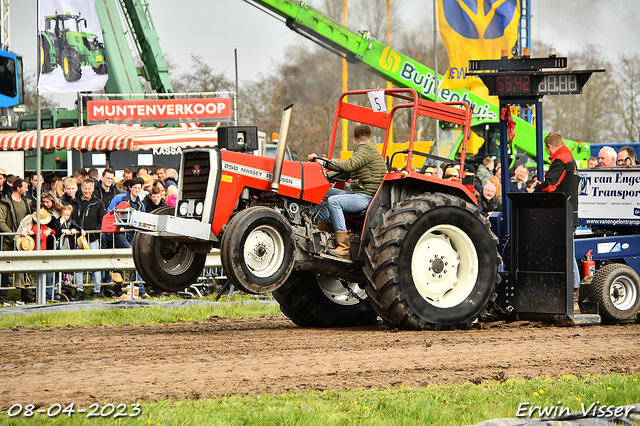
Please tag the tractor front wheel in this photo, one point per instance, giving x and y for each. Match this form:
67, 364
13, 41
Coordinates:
433, 265
71, 65
164, 264
257, 250
313, 300
616, 287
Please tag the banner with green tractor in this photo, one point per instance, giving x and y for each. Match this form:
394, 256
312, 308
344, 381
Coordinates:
72, 52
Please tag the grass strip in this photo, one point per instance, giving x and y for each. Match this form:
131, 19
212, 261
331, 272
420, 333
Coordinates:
434, 405
142, 315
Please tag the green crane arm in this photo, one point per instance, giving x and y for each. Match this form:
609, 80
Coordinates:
155, 68
123, 73
399, 69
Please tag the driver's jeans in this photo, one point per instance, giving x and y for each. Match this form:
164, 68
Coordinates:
338, 203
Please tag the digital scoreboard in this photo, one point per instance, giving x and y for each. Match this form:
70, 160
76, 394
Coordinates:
526, 77
534, 83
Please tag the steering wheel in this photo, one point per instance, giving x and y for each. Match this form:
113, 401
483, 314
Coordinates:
334, 178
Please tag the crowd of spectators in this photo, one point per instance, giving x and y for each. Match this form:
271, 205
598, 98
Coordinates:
488, 175
73, 214
608, 157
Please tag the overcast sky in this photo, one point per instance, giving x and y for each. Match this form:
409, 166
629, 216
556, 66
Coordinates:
214, 28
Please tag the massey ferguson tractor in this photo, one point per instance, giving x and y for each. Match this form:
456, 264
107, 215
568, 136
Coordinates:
424, 256
64, 44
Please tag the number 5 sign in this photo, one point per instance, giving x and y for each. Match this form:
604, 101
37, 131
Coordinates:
377, 101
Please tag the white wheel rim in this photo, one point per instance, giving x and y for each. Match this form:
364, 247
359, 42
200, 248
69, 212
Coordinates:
623, 293
264, 251
444, 266
334, 290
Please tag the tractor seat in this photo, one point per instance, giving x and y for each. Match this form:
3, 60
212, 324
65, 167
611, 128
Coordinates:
358, 220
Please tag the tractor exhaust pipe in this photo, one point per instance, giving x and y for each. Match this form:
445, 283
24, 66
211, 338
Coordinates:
282, 145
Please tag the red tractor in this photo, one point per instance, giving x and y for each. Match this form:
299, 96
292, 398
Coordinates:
424, 255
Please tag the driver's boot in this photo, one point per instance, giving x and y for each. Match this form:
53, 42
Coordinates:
325, 226
343, 243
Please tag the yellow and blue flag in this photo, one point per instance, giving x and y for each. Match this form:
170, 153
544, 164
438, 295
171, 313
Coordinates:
475, 29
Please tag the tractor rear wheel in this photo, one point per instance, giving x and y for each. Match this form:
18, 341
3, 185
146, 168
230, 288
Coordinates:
433, 264
164, 264
312, 300
71, 65
45, 58
257, 250
616, 287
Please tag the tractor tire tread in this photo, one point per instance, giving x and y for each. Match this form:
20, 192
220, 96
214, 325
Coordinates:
382, 256
304, 303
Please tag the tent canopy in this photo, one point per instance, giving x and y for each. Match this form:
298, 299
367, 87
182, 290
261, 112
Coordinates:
109, 137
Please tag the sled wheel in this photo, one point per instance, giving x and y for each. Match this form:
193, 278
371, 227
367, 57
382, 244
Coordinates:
433, 265
616, 287
257, 250
312, 300
71, 65
164, 264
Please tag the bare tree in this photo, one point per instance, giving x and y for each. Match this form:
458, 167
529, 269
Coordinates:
591, 115
311, 79
31, 95
628, 96
202, 79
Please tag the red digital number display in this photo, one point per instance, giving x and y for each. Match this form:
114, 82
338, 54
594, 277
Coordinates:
513, 84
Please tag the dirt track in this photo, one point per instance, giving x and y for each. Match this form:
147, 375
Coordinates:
107, 364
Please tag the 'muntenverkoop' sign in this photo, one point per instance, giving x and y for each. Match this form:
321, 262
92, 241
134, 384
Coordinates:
160, 111
609, 197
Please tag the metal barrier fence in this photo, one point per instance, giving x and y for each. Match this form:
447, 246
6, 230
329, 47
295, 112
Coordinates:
57, 262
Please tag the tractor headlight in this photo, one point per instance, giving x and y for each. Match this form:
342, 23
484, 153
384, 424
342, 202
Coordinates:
199, 208
183, 209
190, 208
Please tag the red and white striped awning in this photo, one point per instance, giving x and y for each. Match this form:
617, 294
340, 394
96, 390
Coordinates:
110, 137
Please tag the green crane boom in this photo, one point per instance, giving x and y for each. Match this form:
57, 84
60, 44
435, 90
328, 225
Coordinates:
399, 69
123, 73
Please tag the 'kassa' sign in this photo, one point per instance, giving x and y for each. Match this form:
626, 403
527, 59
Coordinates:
160, 110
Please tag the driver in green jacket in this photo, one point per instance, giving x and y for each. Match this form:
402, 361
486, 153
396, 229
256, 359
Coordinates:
367, 170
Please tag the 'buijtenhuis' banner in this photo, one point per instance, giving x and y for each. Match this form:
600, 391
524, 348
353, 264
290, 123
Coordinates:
72, 51
475, 29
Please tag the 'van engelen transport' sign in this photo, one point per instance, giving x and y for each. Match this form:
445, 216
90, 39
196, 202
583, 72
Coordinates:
609, 197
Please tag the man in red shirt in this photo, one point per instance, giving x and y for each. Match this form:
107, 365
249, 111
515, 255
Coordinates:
562, 176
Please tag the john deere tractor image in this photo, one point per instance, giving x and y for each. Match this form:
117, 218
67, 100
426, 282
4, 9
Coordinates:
65, 45
422, 255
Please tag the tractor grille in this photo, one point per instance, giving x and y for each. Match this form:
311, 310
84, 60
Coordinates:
194, 183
